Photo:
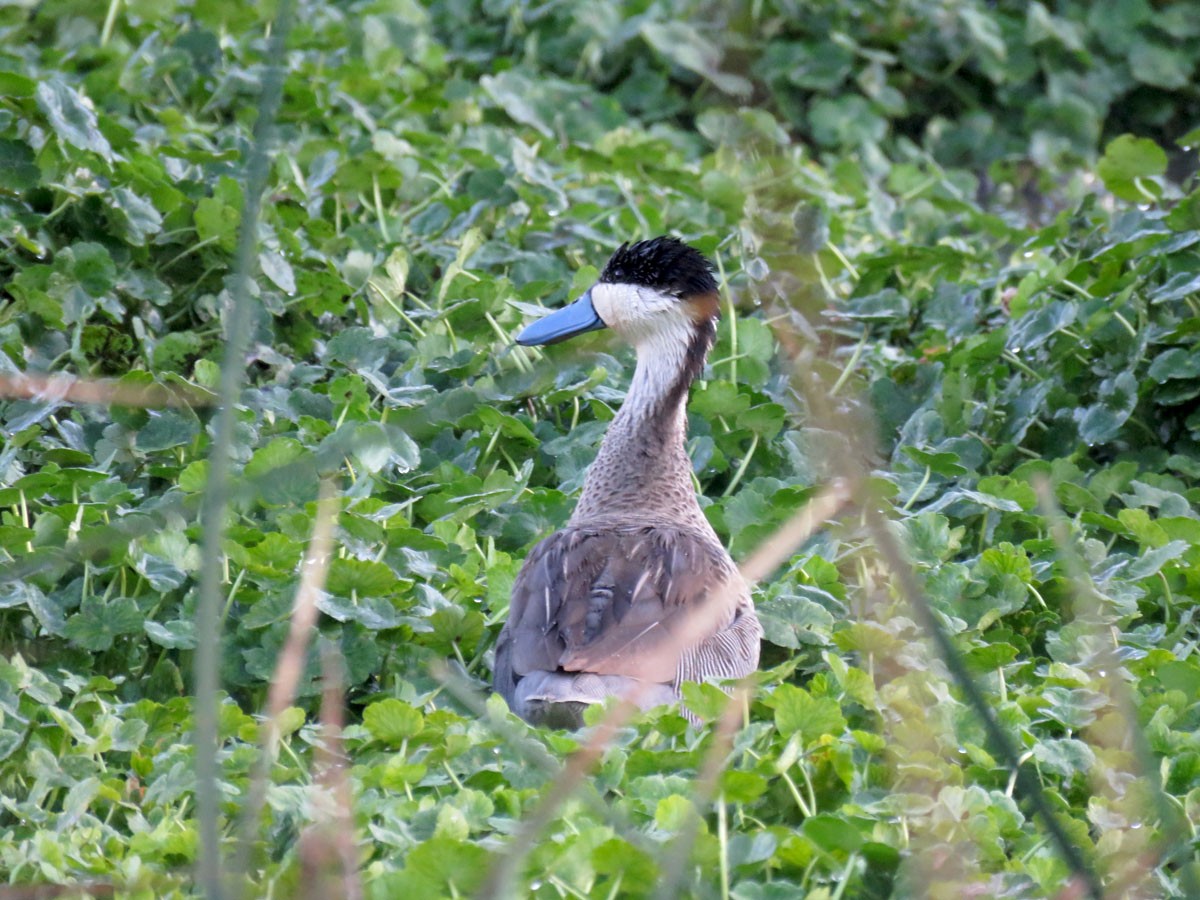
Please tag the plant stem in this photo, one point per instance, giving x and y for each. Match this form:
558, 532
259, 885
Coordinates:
216, 497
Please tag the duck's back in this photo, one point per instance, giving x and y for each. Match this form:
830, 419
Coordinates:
597, 609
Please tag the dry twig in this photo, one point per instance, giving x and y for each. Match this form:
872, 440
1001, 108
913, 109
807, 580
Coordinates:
327, 849
70, 389
290, 665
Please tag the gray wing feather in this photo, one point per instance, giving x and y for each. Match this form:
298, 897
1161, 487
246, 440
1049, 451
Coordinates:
650, 603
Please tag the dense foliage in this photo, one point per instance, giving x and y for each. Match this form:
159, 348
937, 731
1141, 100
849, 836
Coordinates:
977, 219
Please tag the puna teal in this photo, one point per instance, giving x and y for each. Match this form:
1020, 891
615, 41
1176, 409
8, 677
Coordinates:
636, 594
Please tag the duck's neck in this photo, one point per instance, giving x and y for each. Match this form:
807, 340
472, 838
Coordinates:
642, 472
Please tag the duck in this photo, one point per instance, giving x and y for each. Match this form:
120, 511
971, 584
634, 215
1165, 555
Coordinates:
636, 594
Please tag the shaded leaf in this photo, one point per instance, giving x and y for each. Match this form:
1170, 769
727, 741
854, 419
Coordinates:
72, 117
681, 43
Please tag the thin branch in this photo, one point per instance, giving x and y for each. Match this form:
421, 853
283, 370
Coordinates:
787, 538
1026, 781
289, 667
102, 392
1106, 666
237, 335
853, 470
327, 849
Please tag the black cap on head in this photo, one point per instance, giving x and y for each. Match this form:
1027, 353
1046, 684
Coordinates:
664, 263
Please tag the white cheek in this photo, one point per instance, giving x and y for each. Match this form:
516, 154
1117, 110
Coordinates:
659, 328
632, 311
602, 303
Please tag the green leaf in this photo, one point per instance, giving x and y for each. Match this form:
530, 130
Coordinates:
940, 463
97, 625
1040, 26
13, 84
289, 720
1177, 287
832, 833
278, 269
452, 824
1151, 561
217, 217
166, 429
848, 122
552, 106
1146, 531
798, 712
48, 613
440, 867
79, 797
1175, 363
178, 634
11, 740
1128, 163
1073, 708
931, 540
18, 171
683, 45
616, 857
392, 721
136, 217
162, 574
90, 265
396, 774
1007, 488
673, 813
742, 787
72, 117
1180, 675
992, 656
494, 420
284, 472
1005, 559
194, 478
1160, 65
374, 614
705, 700
984, 32
366, 578
795, 620
372, 445
1100, 422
